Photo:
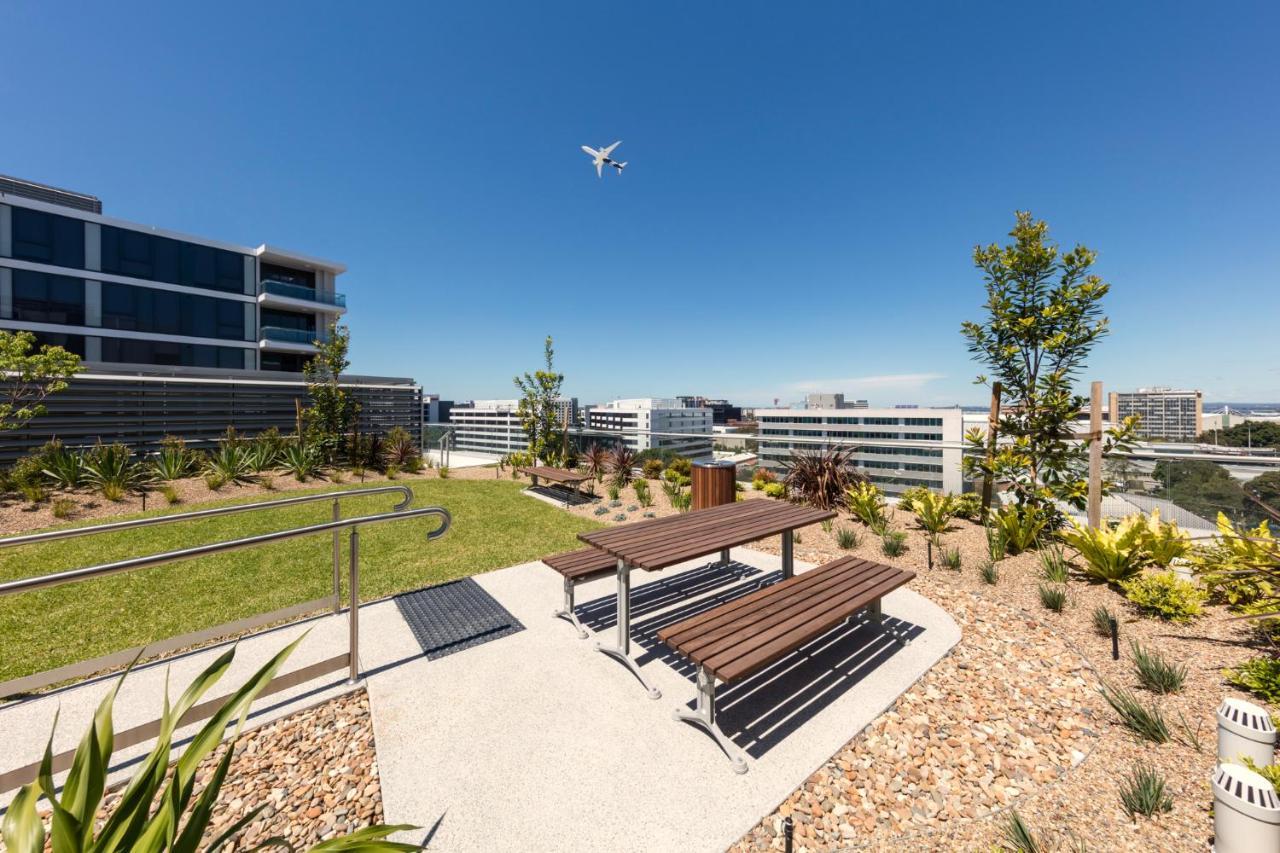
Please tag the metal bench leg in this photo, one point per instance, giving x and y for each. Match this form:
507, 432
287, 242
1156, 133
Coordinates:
788, 554
724, 557
704, 717
877, 613
621, 652
567, 611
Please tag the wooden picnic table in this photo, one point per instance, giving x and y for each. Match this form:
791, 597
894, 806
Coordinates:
664, 542
570, 480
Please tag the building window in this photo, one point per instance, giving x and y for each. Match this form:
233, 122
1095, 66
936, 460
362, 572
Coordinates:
70, 343
129, 351
42, 298
300, 278
146, 309
288, 320
287, 361
139, 255
47, 238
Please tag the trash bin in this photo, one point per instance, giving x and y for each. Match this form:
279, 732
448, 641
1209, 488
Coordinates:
1245, 730
713, 484
1246, 811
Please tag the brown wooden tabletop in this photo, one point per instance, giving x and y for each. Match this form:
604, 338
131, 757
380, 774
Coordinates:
664, 542
557, 475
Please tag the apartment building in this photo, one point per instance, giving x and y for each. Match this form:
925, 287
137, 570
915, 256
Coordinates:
894, 448
493, 426
1166, 414
124, 295
655, 424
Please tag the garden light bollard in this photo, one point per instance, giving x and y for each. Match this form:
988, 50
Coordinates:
1246, 811
788, 831
1245, 731
1115, 638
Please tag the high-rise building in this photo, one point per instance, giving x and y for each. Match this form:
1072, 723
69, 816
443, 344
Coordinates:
1166, 413
120, 294
722, 411
894, 448
493, 426
655, 424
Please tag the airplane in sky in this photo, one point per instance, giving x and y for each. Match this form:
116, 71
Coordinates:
601, 158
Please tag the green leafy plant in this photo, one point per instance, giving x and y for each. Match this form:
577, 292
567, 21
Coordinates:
652, 468
933, 512
867, 503
174, 461
1259, 675
1271, 772
1053, 565
1164, 541
264, 451
333, 410
1229, 568
951, 558
64, 508
392, 471
1143, 792
1018, 527
30, 377
968, 506
1053, 597
1166, 595
641, 488
682, 501
613, 491
893, 543
158, 809
990, 573
301, 460
820, 478
1146, 722
110, 469
171, 495
1018, 837
65, 468
907, 496
1102, 618
681, 466
401, 450
1155, 672
540, 407
996, 550
621, 462
846, 538
214, 480
775, 490
230, 462
1112, 553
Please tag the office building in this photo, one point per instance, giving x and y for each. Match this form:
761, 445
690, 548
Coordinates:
894, 449
1166, 414
494, 426
124, 295
655, 424
722, 411
435, 410
832, 401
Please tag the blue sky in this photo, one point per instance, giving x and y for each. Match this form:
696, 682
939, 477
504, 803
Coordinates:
805, 187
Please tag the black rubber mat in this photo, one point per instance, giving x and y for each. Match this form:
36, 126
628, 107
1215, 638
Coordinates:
455, 616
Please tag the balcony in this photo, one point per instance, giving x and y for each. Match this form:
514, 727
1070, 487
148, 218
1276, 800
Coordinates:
281, 339
280, 294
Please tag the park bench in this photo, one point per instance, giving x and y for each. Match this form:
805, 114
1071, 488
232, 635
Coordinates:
579, 567
570, 481
742, 637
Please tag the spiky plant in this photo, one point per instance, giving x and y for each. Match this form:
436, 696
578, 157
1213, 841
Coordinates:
1146, 722
64, 467
174, 461
301, 460
1053, 565
846, 538
1018, 837
1019, 527
893, 543
951, 558
1111, 553
1143, 791
111, 470
990, 573
622, 461
231, 461
1155, 672
867, 503
595, 462
820, 478
1102, 619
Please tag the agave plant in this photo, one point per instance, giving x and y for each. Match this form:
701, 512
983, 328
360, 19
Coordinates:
1111, 553
595, 461
230, 462
159, 809
111, 470
302, 461
821, 478
174, 461
263, 452
64, 467
621, 462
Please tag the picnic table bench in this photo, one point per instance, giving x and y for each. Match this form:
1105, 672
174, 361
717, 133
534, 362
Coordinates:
571, 481
741, 637
579, 567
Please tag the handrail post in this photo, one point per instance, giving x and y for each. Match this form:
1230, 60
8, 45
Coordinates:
337, 560
354, 621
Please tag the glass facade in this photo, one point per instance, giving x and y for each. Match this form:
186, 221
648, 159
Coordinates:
47, 238
139, 255
291, 362
130, 351
145, 309
42, 298
288, 320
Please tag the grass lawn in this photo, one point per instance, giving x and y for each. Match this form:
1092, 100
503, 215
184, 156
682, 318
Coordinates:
493, 526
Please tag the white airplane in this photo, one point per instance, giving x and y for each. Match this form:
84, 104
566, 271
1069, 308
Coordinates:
601, 158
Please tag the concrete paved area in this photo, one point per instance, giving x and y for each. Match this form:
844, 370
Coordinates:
462, 459
536, 741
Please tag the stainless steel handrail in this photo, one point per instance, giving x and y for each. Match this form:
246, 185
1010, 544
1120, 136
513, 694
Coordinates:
74, 575
336, 497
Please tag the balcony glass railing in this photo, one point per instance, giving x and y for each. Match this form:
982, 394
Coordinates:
296, 291
292, 336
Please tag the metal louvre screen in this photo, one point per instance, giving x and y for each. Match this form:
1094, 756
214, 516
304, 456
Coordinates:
140, 411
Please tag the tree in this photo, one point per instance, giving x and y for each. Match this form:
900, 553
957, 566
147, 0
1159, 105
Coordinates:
1044, 315
1247, 434
1266, 488
333, 410
30, 377
539, 409
1206, 489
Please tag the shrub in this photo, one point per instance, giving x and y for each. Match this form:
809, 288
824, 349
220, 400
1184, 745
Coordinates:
171, 495
1166, 595
444, 472
174, 461
1228, 568
109, 468
614, 491
601, 510
682, 501
760, 477
63, 508
214, 480
1111, 553
1053, 566
1146, 722
1164, 541
401, 450
1143, 792
893, 543
933, 512
990, 574
866, 502
951, 558
64, 467
27, 476
968, 506
681, 466
641, 488
1260, 676
1102, 618
906, 500
392, 471
1271, 772
621, 461
302, 460
775, 490
652, 469
847, 538
620, 517
231, 462
821, 478
1019, 527
1053, 597
263, 452
827, 525
1154, 672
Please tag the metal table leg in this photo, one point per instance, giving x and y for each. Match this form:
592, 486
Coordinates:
567, 611
704, 717
621, 652
876, 611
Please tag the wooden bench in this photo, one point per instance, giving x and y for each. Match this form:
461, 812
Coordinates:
579, 567
570, 481
743, 636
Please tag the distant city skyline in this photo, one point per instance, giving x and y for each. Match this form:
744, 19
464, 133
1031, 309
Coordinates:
804, 189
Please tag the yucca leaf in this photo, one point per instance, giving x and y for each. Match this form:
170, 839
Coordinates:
22, 830
234, 830
369, 838
198, 821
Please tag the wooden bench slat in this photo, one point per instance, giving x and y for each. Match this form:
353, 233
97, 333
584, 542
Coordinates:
558, 475
748, 530
583, 563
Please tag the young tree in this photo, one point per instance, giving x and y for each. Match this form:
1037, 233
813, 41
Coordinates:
333, 410
27, 378
539, 395
1044, 314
